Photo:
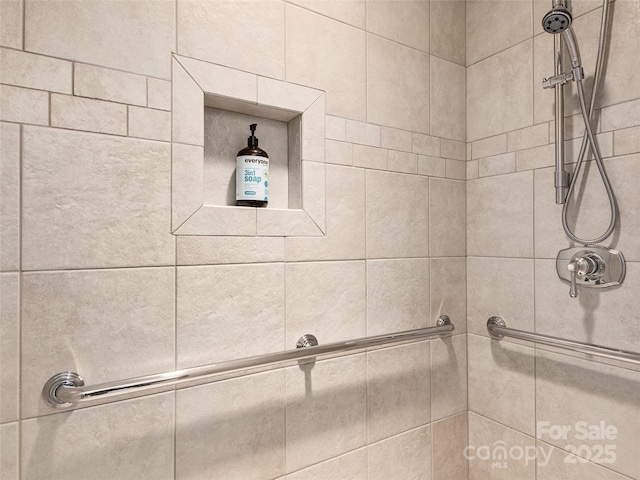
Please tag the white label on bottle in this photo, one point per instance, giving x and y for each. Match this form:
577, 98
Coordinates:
252, 178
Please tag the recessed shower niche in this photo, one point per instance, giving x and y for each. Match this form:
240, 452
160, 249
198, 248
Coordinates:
212, 108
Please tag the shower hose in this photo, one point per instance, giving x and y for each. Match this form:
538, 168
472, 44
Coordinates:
588, 140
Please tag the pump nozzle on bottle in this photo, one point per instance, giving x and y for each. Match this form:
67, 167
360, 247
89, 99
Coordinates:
252, 141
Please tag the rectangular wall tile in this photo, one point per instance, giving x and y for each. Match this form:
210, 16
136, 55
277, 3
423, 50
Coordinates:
447, 99
209, 326
106, 84
34, 71
500, 216
209, 250
447, 218
396, 139
448, 30
11, 22
24, 105
9, 460
325, 299
125, 440
149, 123
370, 157
10, 196
449, 291
407, 26
403, 456
363, 133
247, 415
497, 165
329, 399
397, 215
397, 295
352, 465
94, 201
398, 390
450, 437
10, 342
448, 376
89, 115
489, 146
158, 94
140, 35
403, 162
502, 383
105, 324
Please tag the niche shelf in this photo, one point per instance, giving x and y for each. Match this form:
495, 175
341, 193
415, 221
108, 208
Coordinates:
205, 98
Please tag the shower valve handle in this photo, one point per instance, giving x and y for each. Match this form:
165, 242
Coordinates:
584, 265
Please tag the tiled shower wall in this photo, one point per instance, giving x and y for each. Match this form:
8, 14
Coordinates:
93, 280
518, 392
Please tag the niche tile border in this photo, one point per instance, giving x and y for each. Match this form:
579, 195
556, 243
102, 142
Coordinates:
197, 84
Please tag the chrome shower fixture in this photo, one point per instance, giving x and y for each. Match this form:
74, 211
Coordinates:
591, 267
557, 20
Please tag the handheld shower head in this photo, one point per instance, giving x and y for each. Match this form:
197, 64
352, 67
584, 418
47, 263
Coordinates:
557, 20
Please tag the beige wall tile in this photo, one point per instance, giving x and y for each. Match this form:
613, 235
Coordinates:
248, 415
348, 11
472, 169
202, 24
453, 149
126, 440
10, 342
398, 390
186, 182
536, 157
149, 123
78, 212
345, 233
340, 153
314, 191
397, 215
447, 217
209, 326
489, 436
585, 320
407, 80
571, 391
286, 95
499, 96
502, 287
363, 133
483, 38
500, 215
208, 250
456, 169
370, 157
105, 324
9, 459
528, 137
425, 145
286, 222
450, 437
407, 24
106, 84
488, 147
158, 94
556, 463
352, 465
10, 196
404, 456
325, 299
35, 71
11, 20
186, 108
336, 128
449, 291
626, 141
502, 383
136, 36
621, 116
397, 295
497, 165
604, 141
447, 30
313, 131
321, 53
396, 139
88, 115
543, 67
432, 166
329, 399
449, 376
24, 105
447, 100
402, 162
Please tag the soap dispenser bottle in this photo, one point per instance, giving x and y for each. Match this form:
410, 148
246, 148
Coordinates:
252, 174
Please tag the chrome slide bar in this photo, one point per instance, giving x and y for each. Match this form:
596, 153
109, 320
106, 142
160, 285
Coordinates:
498, 329
67, 389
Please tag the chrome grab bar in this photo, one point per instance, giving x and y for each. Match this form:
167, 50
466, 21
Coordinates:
498, 329
67, 389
